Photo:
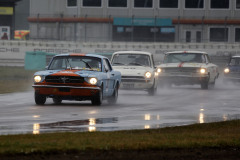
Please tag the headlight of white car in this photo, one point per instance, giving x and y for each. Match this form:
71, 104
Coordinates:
93, 80
203, 71
226, 70
37, 79
160, 70
148, 74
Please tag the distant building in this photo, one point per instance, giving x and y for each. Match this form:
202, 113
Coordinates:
7, 19
22, 10
13, 16
192, 21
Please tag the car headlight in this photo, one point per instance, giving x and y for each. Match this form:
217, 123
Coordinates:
93, 81
203, 70
148, 74
159, 70
37, 79
226, 70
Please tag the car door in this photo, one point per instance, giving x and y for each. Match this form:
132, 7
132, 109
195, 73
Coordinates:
109, 81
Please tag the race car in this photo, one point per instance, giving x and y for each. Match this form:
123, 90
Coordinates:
137, 69
232, 70
78, 77
187, 68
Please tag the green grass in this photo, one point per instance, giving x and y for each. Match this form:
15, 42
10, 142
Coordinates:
15, 79
212, 135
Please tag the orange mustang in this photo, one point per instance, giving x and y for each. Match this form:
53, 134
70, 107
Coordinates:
77, 77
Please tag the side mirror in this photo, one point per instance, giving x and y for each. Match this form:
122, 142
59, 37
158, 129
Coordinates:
46, 67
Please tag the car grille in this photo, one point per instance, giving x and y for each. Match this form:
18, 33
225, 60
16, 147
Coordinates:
64, 79
181, 69
133, 79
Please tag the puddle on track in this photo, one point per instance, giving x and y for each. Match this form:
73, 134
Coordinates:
113, 124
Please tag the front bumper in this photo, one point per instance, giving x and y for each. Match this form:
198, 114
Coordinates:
135, 86
76, 91
183, 79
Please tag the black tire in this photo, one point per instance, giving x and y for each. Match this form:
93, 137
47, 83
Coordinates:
204, 84
97, 99
152, 91
57, 101
113, 99
39, 99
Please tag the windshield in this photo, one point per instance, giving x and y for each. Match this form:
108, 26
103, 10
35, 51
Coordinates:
76, 62
235, 62
184, 57
131, 60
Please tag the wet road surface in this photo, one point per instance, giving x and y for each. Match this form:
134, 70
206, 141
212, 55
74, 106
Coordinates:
134, 110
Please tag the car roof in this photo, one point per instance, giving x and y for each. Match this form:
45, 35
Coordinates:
197, 52
80, 54
132, 52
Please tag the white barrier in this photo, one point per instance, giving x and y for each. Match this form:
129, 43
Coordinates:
15, 50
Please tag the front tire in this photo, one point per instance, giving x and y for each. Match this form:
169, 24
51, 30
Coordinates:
39, 99
204, 84
97, 99
153, 90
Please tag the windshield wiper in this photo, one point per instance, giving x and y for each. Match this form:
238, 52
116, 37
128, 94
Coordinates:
88, 65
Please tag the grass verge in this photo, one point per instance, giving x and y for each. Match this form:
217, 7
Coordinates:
215, 137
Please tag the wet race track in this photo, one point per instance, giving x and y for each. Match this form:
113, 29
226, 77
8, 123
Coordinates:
135, 110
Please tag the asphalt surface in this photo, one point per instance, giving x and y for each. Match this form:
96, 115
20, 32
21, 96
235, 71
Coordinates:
179, 105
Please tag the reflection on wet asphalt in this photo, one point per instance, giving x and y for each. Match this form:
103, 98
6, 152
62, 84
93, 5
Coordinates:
135, 110
77, 125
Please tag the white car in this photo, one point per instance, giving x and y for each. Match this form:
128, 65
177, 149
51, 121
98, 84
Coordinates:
137, 69
188, 68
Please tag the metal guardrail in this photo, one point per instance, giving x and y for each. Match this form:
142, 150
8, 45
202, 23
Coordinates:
121, 44
12, 62
221, 58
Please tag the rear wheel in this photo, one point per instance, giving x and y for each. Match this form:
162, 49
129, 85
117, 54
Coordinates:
97, 99
39, 99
